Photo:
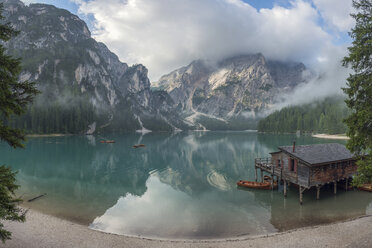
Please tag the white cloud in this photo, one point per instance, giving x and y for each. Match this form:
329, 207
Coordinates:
29, 1
336, 13
167, 34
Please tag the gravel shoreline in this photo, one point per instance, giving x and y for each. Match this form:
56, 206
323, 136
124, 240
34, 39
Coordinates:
41, 230
331, 136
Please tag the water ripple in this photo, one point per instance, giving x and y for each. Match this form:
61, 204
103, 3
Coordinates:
218, 181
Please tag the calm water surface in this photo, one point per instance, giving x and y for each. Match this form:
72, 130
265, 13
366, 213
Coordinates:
178, 186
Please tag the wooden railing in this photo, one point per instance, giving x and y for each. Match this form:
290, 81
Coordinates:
263, 161
267, 165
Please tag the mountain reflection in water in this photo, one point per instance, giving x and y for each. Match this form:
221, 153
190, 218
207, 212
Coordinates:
179, 186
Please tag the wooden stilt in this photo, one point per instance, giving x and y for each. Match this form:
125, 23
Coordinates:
334, 187
300, 191
262, 176
346, 183
277, 182
285, 188
317, 192
255, 169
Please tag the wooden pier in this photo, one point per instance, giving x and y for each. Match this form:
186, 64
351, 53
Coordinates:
308, 166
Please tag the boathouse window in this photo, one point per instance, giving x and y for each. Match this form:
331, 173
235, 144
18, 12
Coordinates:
292, 165
279, 163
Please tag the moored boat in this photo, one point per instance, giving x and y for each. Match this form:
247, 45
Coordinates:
267, 178
256, 185
107, 141
138, 146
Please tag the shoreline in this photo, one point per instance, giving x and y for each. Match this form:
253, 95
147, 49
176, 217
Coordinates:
331, 136
47, 135
41, 230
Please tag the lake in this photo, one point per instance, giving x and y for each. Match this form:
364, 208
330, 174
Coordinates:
180, 186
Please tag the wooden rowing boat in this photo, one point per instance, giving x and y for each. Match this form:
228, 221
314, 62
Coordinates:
256, 185
107, 141
366, 187
139, 146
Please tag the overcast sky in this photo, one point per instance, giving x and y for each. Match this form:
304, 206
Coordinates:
167, 34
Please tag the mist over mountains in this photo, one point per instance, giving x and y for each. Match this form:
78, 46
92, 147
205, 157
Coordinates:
86, 88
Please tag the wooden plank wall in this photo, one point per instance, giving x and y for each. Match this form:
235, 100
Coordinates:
283, 157
329, 173
303, 174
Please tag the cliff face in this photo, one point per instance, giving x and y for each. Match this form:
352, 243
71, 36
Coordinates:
58, 52
234, 88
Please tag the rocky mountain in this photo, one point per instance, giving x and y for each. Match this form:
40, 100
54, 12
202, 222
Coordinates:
86, 88
231, 92
81, 76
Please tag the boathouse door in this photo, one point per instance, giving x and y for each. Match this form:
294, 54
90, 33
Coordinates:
292, 164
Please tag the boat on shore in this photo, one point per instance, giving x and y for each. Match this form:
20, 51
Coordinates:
366, 187
107, 141
256, 185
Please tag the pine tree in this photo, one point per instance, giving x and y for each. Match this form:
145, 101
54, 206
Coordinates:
14, 97
359, 90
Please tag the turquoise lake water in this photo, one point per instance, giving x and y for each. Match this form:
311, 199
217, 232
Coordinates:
179, 186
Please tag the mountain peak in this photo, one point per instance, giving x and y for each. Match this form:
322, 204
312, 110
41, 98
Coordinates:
244, 59
232, 87
40, 20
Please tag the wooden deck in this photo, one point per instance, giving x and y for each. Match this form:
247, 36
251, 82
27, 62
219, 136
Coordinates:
265, 164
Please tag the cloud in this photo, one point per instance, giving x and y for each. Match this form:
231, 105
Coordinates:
167, 34
336, 13
29, 1
329, 80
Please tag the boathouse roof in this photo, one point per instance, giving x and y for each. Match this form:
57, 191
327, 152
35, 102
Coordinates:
319, 153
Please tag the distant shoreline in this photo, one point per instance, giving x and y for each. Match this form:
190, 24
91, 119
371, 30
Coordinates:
41, 230
320, 136
47, 135
331, 136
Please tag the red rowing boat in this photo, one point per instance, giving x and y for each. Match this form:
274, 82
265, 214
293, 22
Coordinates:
256, 185
107, 141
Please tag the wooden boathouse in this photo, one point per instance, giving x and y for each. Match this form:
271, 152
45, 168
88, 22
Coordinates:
309, 166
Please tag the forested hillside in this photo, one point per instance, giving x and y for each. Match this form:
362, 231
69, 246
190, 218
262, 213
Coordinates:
322, 117
56, 118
